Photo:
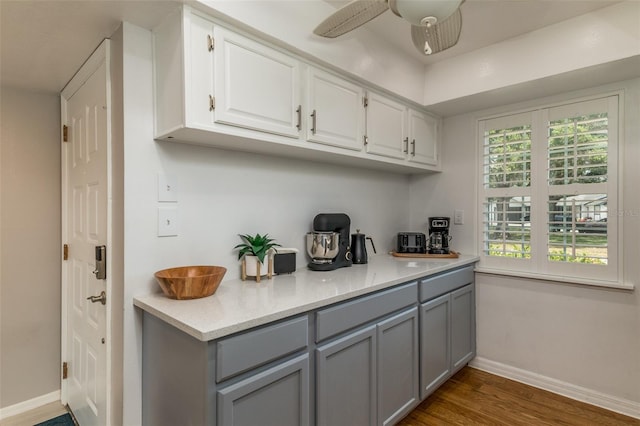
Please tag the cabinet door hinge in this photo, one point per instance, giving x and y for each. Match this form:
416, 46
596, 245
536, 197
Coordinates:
365, 101
65, 370
366, 139
65, 133
65, 252
212, 103
211, 44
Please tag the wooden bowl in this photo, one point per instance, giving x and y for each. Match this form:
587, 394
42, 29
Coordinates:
190, 282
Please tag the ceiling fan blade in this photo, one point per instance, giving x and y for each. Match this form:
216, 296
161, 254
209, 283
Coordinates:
350, 17
440, 36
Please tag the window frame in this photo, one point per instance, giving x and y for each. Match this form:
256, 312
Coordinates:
539, 266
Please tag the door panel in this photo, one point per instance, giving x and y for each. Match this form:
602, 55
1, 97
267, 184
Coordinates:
386, 127
423, 135
463, 329
85, 200
346, 380
339, 113
256, 87
435, 344
398, 370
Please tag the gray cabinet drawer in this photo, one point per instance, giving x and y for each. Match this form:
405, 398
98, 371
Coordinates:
245, 351
345, 316
445, 283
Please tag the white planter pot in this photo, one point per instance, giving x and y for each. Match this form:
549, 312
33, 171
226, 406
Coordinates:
251, 265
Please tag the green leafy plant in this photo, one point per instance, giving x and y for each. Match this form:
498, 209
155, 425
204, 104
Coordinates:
257, 245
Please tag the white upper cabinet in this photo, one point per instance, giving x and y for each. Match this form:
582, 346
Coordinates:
386, 127
334, 110
396, 131
218, 86
423, 138
255, 86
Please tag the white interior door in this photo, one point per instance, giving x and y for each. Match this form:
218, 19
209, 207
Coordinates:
85, 201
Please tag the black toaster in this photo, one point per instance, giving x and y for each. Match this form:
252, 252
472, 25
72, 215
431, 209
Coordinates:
411, 242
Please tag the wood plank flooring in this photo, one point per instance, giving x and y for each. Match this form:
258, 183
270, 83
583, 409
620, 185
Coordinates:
474, 397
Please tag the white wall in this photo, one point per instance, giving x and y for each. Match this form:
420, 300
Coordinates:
583, 340
221, 194
604, 36
29, 246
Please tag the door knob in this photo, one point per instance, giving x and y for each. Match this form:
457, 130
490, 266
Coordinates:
102, 298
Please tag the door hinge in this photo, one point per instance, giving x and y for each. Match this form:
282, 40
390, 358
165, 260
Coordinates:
65, 370
212, 103
65, 133
365, 101
65, 252
211, 44
366, 139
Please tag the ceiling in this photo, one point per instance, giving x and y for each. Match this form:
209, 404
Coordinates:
42, 43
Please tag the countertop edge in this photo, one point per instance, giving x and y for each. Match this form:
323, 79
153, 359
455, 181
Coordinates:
156, 304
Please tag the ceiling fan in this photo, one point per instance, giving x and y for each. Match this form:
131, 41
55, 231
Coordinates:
435, 24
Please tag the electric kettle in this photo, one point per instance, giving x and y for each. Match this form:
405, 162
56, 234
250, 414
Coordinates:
358, 247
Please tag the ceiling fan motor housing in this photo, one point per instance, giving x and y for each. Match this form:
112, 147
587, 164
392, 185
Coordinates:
424, 12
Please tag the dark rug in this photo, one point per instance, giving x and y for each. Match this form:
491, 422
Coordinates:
63, 420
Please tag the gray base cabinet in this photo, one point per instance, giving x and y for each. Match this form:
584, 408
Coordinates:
346, 380
276, 397
365, 361
398, 373
447, 327
435, 344
463, 327
370, 377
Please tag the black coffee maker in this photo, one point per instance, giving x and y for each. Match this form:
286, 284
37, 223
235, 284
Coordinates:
439, 235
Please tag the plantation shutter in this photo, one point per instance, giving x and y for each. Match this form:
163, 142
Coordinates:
548, 182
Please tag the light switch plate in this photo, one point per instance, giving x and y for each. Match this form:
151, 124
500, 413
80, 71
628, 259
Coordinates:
167, 189
167, 221
458, 217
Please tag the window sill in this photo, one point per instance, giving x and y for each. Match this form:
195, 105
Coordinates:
556, 278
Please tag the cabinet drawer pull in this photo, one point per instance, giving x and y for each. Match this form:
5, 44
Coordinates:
413, 147
313, 122
299, 112
406, 145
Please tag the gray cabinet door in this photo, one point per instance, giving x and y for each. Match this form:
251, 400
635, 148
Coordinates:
278, 397
435, 344
398, 377
463, 326
346, 380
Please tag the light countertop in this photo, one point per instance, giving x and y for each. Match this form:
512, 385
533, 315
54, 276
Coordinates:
239, 305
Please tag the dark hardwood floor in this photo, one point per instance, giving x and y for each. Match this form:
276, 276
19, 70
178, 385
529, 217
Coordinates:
473, 397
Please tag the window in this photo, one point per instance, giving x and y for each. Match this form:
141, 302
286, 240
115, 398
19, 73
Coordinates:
548, 192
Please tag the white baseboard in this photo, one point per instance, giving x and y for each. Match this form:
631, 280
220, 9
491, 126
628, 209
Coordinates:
23, 407
608, 402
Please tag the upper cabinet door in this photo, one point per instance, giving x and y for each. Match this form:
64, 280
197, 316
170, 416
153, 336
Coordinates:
334, 110
256, 87
386, 127
423, 138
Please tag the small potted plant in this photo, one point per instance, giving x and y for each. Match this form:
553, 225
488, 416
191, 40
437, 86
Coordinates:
253, 251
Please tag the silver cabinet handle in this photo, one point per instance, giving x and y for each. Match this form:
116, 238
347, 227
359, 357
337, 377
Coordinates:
406, 145
102, 298
299, 112
313, 122
413, 147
